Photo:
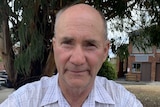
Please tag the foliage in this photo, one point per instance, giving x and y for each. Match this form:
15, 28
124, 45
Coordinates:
154, 32
143, 15
32, 26
120, 50
107, 70
138, 40
27, 29
33, 23
143, 39
1, 59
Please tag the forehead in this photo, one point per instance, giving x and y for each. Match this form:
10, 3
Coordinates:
79, 29
80, 15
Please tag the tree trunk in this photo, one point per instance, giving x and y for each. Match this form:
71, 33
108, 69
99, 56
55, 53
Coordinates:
120, 72
7, 53
50, 67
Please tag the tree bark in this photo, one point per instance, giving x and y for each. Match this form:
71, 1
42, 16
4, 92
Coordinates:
50, 66
7, 53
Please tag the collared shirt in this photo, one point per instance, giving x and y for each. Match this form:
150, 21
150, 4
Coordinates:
46, 93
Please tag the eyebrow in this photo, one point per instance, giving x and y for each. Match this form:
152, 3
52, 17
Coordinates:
92, 42
69, 39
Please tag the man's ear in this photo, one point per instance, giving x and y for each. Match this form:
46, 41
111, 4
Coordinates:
106, 49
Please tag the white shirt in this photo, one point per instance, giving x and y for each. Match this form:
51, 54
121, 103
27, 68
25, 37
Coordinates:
46, 93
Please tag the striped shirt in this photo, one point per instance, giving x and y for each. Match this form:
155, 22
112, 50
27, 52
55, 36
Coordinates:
46, 93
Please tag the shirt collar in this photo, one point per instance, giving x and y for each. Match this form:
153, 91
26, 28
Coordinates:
52, 93
101, 94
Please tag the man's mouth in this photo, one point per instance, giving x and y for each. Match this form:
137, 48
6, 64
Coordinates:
79, 71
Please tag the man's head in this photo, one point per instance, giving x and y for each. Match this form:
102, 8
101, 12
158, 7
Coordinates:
80, 45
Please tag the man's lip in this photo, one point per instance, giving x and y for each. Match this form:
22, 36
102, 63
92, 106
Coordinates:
77, 71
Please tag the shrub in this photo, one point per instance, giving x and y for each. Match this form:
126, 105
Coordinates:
107, 70
1, 59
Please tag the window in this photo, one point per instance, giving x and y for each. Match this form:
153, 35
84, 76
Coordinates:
136, 67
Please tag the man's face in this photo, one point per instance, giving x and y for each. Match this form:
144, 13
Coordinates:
79, 49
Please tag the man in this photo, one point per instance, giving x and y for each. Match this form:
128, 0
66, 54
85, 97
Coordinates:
80, 47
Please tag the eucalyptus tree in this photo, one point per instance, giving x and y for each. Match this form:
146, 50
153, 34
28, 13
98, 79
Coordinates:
32, 25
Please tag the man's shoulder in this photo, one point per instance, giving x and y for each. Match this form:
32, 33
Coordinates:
105, 81
109, 85
32, 94
45, 81
36, 87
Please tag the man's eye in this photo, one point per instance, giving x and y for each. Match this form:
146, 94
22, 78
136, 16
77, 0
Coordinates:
90, 46
66, 42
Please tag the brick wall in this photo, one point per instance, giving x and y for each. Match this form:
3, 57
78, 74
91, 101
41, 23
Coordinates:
153, 59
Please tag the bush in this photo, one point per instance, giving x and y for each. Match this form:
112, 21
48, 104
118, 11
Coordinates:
1, 59
107, 70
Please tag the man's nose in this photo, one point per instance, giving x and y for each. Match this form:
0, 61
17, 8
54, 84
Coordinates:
78, 56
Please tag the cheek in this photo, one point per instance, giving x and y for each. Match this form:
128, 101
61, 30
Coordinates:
60, 57
95, 60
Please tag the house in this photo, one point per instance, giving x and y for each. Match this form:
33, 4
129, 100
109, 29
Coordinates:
143, 66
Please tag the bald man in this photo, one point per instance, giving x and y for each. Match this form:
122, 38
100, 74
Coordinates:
80, 47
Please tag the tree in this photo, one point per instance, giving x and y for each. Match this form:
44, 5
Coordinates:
32, 26
121, 50
7, 53
33, 23
144, 15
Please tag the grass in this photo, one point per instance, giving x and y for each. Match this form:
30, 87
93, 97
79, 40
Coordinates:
149, 95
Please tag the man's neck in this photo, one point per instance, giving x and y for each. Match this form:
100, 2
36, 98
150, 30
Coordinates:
75, 96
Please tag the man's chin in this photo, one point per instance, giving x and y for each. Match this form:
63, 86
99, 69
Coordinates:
77, 83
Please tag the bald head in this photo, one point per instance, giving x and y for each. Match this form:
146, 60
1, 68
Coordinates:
81, 12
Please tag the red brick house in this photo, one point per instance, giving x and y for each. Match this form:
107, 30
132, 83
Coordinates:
143, 66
